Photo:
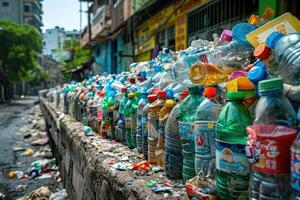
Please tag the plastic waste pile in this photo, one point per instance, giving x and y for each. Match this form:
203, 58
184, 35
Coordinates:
215, 114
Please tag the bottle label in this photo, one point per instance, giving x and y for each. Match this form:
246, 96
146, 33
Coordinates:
295, 170
231, 158
187, 130
269, 155
127, 122
133, 122
100, 114
205, 137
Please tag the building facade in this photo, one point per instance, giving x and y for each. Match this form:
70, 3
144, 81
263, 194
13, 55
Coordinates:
23, 12
123, 31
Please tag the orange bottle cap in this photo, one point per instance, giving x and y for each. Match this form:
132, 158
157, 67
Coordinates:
262, 52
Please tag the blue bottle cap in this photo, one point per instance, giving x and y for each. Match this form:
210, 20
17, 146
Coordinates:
259, 63
240, 31
273, 38
256, 74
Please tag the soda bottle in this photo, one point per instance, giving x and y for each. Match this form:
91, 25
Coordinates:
133, 115
295, 164
173, 149
207, 114
105, 123
163, 116
153, 124
140, 126
127, 113
110, 104
232, 166
269, 142
151, 98
120, 125
187, 131
99, 111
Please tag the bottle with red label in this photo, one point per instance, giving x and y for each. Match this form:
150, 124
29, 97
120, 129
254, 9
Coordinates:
295, 164
269, 142
205, 121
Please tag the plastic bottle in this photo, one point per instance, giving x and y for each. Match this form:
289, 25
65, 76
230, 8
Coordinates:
295, 164
173, 149
163, 116
232, 166
105, 123
269, 142
133, 115
187, 131
127, 113
120, 125
99, 111
151, 98
153, 124
287, 50
140, 125
207, 114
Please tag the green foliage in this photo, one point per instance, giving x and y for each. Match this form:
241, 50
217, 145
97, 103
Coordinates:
20, 45
72, 56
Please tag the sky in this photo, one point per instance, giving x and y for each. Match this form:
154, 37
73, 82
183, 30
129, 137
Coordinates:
63, 13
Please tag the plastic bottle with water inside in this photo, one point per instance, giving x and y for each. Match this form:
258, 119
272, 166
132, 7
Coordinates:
207, 114
140, 125
269, 142
120, 125
127, 113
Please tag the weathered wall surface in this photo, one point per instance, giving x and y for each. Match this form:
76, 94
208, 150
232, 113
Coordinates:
85, 173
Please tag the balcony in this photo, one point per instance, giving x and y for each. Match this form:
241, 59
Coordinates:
84, 38
101, 22
36, 3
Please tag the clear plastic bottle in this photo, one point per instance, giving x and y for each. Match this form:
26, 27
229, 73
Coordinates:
153, 124
140, 125
120, 125
269, 142
163, 116
173, 149
207, 114
133, 116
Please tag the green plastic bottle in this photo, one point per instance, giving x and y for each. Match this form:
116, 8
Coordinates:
186, 114
133, 115
232, 166
127, 113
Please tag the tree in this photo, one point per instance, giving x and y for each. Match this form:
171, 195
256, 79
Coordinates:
71, 55
19, 47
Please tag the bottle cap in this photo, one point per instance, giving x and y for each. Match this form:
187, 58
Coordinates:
183, 94
273, 38
257, 74
154, 91
162, 94
239, 32
270, 85
235, 95
124, 89
137, 94
140, 79
152, 97
131, 95
194, 90
254, 20
236, 74
170, 103
210, 92
226, 35
262, 52
132, 80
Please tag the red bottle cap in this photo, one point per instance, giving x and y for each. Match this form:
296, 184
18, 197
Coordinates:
124, 89
183, 94
132, 80
152, 98
154, 91
140, 79
162, 94
262, 52
100, 93
210, 92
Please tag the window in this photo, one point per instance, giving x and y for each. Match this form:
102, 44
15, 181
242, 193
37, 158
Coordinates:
26, 8
5, 4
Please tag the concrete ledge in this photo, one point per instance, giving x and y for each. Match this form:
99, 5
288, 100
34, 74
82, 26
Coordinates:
83, 162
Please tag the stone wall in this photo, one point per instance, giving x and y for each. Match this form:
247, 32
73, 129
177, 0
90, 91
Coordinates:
85, 172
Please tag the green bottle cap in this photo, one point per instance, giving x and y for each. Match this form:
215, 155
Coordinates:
270, 85
235, 95
137, 94
194, 89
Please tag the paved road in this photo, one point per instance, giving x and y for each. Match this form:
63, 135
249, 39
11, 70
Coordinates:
12, 118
